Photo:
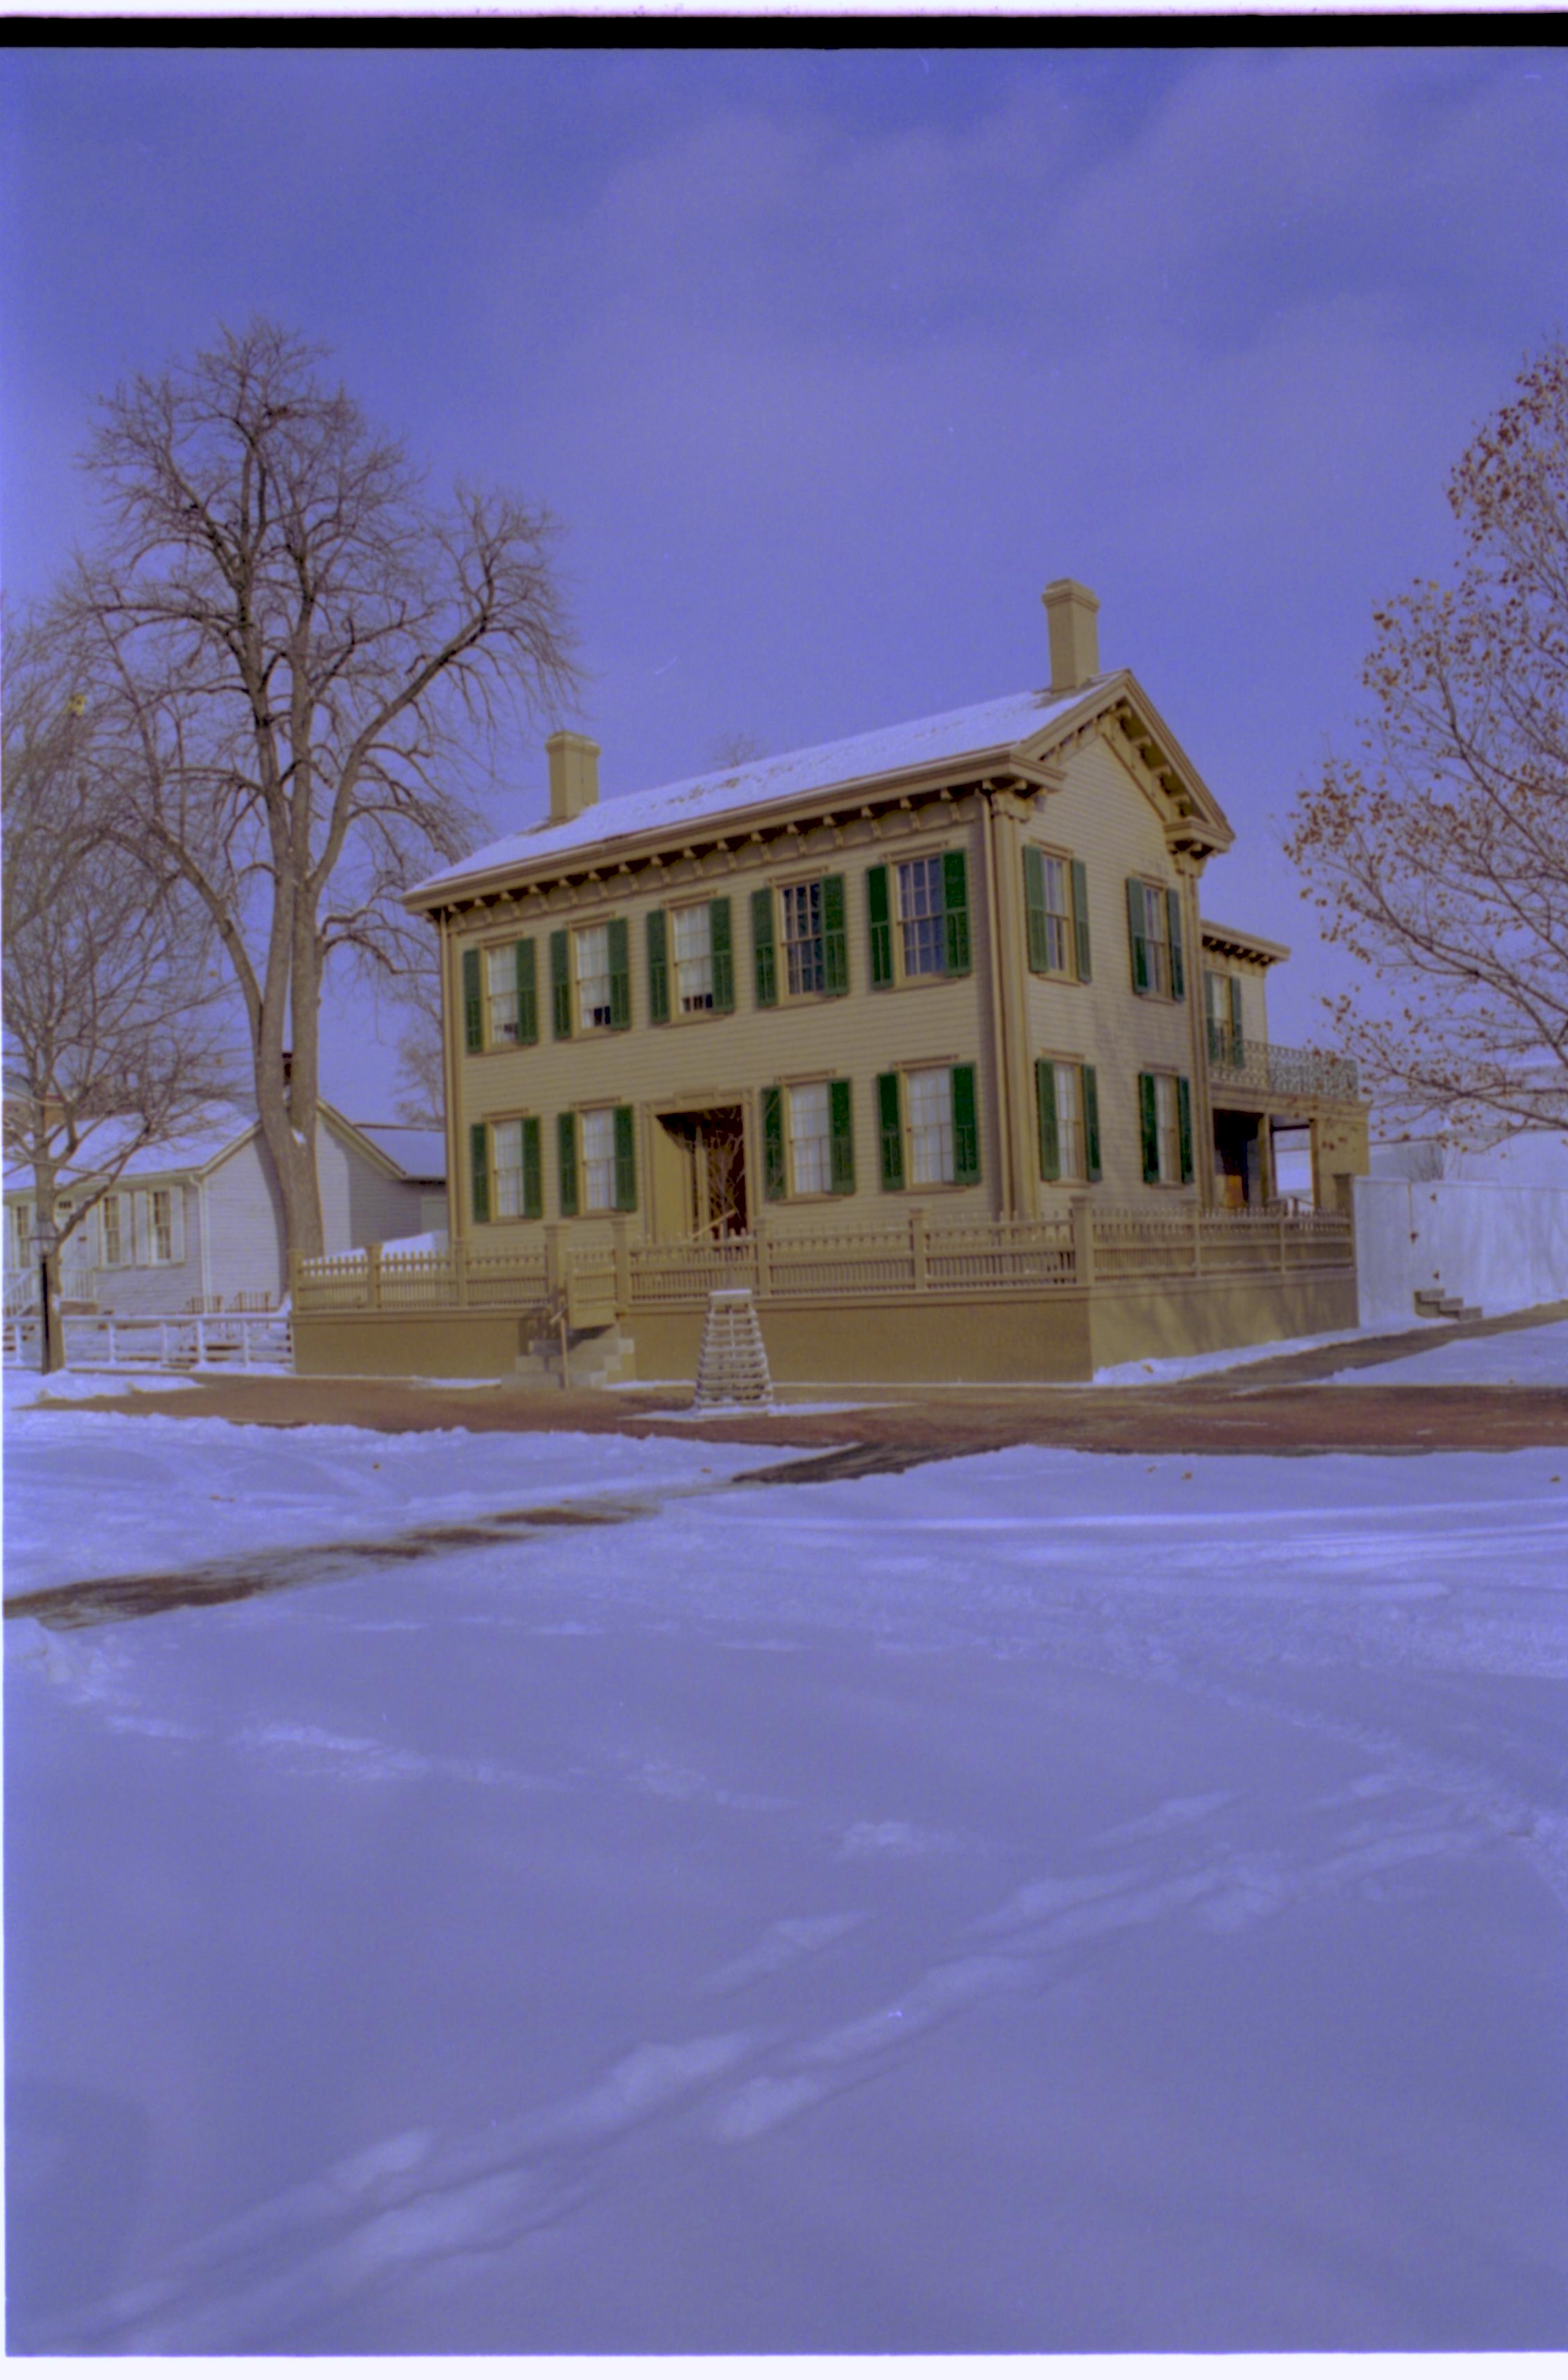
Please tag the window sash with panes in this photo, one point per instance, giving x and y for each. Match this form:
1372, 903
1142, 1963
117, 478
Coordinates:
810, 1138
1069, 1097
1227, 1041
597, 1128
694, 959
922, 917
1168, 1128
501, 972
506, 1162
1156, 932
19, 1251
929, 1091
805, 950
1165, 1102
591, 959
1057, 919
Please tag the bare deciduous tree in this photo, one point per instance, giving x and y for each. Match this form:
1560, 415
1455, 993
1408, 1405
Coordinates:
113, 1041
301, 657
1439, 854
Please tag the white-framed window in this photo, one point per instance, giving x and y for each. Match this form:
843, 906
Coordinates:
501, 984
1165, 1115
506, 1160
922, 917
1070, 1123
19, 1250
804, 960
1156, 937
590, 958
693, 934
1168, 1120
160, 1227
596, 1126
811, 1137
115, 1231
930, 1094
1057, 917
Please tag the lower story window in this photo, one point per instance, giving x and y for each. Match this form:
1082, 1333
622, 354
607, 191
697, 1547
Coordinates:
1165, 1115
808, 1140
515, 1154
927, 1127
599, 1157
1067, 1111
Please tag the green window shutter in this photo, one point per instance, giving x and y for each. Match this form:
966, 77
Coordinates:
890, 1131
525, 960
533, 1171
1135, 934
1238, 1039
626, 1163
767, 971
773, 1143
840, 1124
1045, 1106
956, 903
566, 1152
1173, 916
878, 928
561, 985
1034, 908
1149, 1118
1080, 919
1091, 1124
620, 975
658, 967
473, 1003
1183, 1123
835, 937
479, 1172
720, 942
966, 1127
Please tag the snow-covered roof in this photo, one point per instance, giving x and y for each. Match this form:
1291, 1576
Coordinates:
984, 728
420, 1154
222, 1129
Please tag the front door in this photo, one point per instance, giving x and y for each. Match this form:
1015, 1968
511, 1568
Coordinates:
709, 1146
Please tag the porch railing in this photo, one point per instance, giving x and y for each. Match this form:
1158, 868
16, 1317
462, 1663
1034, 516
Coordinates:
597, 1277
1270, 1066
77, 1282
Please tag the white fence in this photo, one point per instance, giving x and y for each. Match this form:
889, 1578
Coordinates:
184, 1342
1492, 1245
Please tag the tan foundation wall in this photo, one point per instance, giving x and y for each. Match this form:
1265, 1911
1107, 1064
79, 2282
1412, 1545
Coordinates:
1064, 1336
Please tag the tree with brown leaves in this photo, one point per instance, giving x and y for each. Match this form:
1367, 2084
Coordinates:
1438, 854
301, 659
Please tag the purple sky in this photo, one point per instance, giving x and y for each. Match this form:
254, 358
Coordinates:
828, 361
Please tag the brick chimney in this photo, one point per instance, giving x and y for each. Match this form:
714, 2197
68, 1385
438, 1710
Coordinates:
574, 775
1075, 637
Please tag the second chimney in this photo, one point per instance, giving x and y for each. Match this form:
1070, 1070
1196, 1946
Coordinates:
574, 775
1075, 636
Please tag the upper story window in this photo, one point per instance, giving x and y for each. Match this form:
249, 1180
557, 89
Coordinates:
500, 997
810, 923
590, 979
1223, 1007
690, 961
1056, 914
694, 960
917, 918
1154, 928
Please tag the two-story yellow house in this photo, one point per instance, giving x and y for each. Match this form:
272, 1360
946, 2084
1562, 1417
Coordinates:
926, 1014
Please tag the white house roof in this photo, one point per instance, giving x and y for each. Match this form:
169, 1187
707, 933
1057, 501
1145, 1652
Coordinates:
420, 1154
190, 1152
985, 727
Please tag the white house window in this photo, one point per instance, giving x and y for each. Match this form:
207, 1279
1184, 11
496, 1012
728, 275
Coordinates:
1058, 913
591, 953
811, 1137
1070, 1123
114, 1229
922, 917
598, 1125
930, 1125
805, 966
694, 959
158, 1236
1156, 932
501, 972
19, 1249
506, 1156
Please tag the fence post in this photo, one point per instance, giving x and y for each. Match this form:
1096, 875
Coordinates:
458, 1252
111, 1322
245, 1342
620, 1233
920, 1256
200, 1341
372, 1276
1081, 1218
762, 1250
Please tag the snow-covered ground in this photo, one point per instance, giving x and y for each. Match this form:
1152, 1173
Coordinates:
1037, 1901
